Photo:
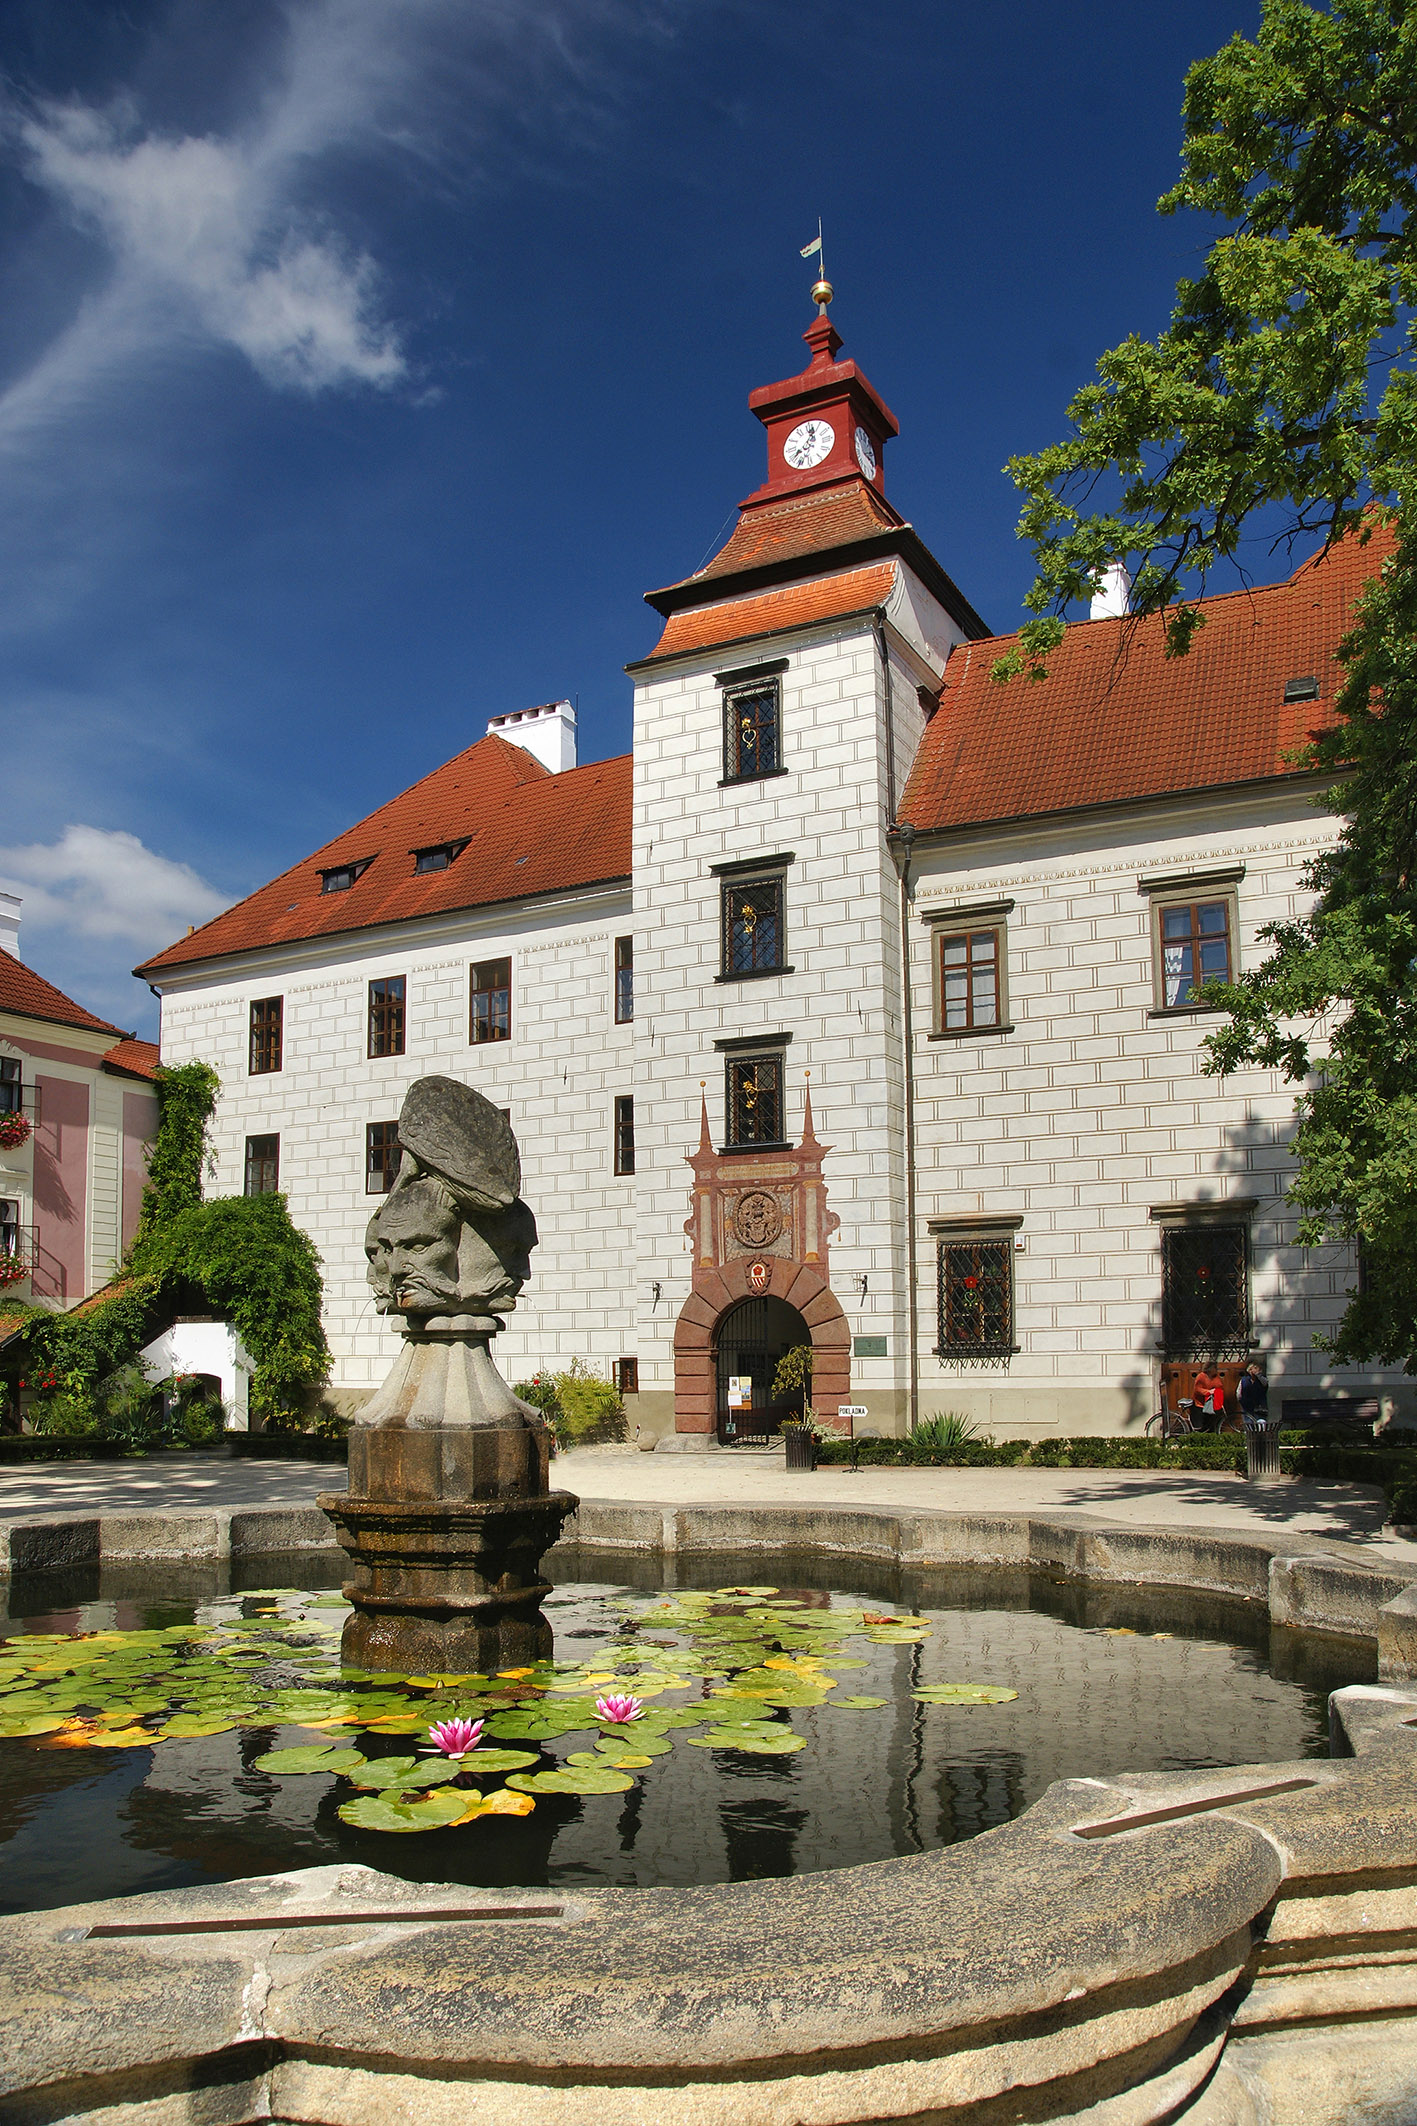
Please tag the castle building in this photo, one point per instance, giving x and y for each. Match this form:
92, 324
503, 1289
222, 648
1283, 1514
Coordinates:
855, 1007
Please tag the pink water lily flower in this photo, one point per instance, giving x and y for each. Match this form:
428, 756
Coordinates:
619, 1712
455, 1737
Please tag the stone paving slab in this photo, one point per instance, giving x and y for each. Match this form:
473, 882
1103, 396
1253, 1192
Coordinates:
1350, 1514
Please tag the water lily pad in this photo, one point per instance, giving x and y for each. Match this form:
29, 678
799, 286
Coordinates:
483, 1763
963, 1694
896, 1635
503, 1802
33, 1724
311, 1757
187, 1727
858, 1705
430, 1812
781, 1744
572, 1779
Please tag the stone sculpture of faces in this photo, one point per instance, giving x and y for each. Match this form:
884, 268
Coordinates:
452, 1236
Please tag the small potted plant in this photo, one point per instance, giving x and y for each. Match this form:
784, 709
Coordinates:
13, 1270
15, 1130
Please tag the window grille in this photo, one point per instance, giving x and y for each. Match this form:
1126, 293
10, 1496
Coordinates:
752, 927
1195, 948
754, 1100
752, 732
969, 978
491, 1018
976, 1298
262, 1166
386, 1016
1205, 1292
624, 980
627, 1376
267, 1016
382, 1156
625, 1134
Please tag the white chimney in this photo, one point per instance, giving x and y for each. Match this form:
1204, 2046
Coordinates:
547, 733
1111, 593
10, 923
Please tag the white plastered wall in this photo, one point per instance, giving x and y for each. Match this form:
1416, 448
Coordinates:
1092, 1111
558, 1074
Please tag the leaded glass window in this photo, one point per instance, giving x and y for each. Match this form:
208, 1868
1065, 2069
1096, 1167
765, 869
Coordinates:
752, 927
754, 1100
1205, 1292
752, 732
976, 1298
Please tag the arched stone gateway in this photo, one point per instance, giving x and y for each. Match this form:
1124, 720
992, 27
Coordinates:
760, 1230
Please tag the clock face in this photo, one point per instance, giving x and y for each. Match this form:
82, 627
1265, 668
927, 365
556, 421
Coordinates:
865, 454
808, 444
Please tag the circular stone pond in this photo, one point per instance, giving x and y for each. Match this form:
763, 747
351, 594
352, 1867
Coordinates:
790, 1719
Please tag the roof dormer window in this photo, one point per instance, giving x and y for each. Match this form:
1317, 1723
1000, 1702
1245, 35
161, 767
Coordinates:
438, 856
338, 878
1304, 689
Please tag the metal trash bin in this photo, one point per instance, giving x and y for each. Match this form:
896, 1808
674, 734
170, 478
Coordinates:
801, 1447
1262, 1450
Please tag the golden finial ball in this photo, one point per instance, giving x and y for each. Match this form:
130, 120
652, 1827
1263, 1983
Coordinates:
823, 293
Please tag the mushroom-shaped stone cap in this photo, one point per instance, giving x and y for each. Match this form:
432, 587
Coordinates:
453, 1131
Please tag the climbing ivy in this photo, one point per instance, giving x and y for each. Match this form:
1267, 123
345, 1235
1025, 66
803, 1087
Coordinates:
242, 1254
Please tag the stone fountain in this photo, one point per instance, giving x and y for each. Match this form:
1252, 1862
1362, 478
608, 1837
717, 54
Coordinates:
448, 1512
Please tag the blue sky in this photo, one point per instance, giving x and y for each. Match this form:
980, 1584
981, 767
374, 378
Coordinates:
362, 362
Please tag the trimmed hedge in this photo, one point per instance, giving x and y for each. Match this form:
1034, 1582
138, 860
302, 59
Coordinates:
33, 1447
1390, 1463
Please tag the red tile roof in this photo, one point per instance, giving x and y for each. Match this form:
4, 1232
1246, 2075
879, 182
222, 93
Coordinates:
743, 619
527, 832
844, 525
798, 525
1117, 721
28, 994
131, 1058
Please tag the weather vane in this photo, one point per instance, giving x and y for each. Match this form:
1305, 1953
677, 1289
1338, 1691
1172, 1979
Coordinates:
822, 292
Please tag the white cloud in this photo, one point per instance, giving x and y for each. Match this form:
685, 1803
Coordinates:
97, 883
202, 236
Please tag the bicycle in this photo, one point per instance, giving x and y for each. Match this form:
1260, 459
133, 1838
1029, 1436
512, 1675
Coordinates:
1177, 1424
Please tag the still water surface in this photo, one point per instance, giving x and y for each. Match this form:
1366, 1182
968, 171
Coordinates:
1107, 1682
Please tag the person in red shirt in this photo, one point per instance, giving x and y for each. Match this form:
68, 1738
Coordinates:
1208, 1394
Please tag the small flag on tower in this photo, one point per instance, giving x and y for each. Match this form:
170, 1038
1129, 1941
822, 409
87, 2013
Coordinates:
815, 245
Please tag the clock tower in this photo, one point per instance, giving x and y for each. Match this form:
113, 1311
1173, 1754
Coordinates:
775, 722
827, 425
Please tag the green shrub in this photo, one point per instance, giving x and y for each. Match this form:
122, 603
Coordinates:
948, 1429
65, 1417
582, 1409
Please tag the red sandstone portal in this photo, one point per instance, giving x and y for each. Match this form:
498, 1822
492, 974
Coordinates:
760, 1229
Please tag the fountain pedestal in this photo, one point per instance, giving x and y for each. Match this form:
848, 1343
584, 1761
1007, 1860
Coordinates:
446, 1522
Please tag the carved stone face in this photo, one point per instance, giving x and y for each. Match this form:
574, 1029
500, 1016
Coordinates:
412, 1246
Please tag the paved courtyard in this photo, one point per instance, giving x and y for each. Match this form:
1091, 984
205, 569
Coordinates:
1347, 1513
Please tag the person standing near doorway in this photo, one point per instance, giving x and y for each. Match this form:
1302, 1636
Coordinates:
1254, 1395
1208, 1394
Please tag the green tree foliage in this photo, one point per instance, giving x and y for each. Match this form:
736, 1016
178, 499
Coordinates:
1283, 394
242, 1254
794, 1376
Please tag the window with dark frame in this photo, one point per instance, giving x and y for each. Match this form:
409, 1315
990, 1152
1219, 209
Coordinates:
267, 1015
1205, 1292
340, 877
970, 967
438, 857
262, 1166
386, 1015
976, 1298
491, 1013
627, 1376
12, 1091
1194, 947
382, 1156
624, 980
625, 1133
752, 926
752, 731
753, 1099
